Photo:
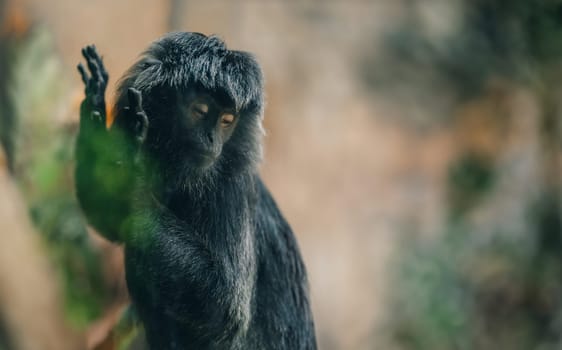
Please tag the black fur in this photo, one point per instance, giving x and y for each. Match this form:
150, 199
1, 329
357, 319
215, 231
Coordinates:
211, 262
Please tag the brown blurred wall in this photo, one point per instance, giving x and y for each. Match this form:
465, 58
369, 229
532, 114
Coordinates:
343, 175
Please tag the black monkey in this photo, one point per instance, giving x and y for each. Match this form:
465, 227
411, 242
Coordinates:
210, 261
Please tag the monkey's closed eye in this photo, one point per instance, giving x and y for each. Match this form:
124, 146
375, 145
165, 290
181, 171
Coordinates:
200, 109
227, 119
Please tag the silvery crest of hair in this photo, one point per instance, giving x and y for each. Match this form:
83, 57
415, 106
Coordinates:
183, 59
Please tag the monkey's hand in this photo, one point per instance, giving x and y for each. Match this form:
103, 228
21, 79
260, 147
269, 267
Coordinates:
136, 117
105, 171
92, 109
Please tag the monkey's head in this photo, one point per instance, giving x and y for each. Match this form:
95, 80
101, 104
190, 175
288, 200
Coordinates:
204, 103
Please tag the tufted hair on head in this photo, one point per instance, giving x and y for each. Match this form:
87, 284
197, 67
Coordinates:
186, 59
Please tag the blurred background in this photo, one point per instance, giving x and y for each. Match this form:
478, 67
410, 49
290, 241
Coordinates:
413, 145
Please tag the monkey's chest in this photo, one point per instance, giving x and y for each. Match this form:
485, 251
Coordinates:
150, 295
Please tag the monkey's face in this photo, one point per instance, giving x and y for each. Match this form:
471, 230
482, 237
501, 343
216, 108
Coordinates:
202, 125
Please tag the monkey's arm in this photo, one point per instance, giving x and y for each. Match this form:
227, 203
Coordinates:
196, 282
105, 164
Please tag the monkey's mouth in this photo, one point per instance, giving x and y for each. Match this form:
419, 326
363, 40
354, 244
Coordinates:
202, 159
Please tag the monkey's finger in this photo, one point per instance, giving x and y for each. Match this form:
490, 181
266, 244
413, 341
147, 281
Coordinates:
92, 59
93, 50
94, 68
94, 55
84, 52
135, 100
134, 96
90, 52
141, 127
95, 82
103, 71
83, 73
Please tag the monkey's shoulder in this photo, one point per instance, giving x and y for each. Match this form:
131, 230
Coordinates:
276, 240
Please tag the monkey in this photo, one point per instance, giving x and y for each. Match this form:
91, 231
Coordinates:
210, 261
